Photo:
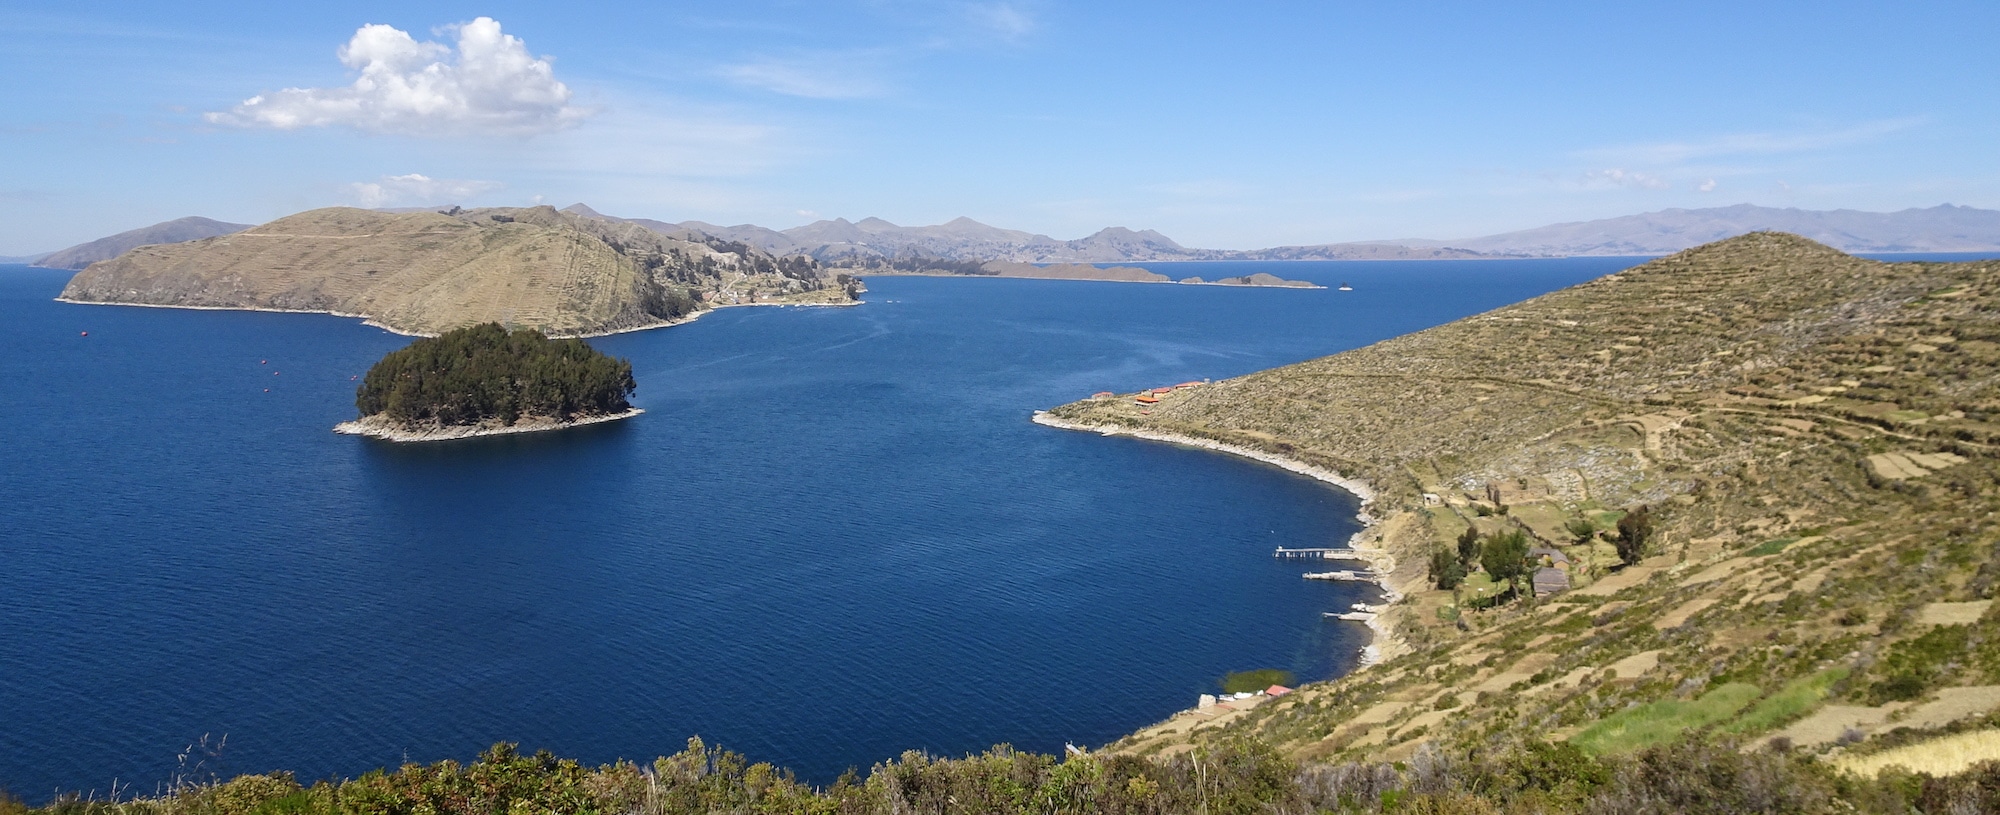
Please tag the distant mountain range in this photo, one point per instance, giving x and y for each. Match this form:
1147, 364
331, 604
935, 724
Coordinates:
179, 230
876, 243
1944, 228
841, 240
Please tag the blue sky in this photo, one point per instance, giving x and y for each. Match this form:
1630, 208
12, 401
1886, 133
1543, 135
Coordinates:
1222, 125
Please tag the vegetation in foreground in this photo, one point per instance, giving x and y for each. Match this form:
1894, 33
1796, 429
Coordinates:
1229, 777
485, 374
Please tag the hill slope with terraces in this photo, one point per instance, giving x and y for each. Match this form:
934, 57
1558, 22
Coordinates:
1811, 434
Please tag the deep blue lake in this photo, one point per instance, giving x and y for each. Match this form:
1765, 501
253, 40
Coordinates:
833, 536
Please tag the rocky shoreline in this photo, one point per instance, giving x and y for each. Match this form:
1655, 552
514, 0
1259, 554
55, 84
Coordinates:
379, 428
1380, 561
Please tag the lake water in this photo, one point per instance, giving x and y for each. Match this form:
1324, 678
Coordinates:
833, 536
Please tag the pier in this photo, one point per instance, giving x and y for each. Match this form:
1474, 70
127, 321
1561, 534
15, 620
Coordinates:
1318, 554
1344, 575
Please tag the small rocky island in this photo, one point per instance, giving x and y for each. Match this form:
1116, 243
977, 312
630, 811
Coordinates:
486, 380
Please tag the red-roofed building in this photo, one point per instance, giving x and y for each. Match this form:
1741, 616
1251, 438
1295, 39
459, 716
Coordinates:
1277, 690
1190, 384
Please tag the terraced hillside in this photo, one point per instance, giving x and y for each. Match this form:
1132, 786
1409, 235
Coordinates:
1811, 435
427, 272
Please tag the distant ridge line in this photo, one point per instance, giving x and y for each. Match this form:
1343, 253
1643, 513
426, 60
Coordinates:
875, 243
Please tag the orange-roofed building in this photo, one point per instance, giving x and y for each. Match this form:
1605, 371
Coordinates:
1102, 394
1157, 391
1190, 384
1146, 399
1277, 690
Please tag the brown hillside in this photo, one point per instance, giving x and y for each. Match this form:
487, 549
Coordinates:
427, 272
1812, 431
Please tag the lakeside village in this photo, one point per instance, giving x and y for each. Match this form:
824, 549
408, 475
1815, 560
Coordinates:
1546, 567
1510, 547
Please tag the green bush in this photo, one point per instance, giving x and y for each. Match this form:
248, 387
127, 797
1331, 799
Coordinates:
1911, 667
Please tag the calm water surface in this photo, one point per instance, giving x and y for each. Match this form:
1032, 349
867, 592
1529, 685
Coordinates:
833, 536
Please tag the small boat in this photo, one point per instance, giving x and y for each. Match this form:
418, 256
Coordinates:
1345, 287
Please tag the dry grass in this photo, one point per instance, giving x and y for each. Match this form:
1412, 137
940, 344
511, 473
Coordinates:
1939, 757
1752, 393
427, 272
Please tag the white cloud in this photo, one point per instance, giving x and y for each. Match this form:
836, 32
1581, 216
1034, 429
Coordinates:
1626, 178
489, 83
1707, 186
826, 75
1737, 144
417, 190
1008, 21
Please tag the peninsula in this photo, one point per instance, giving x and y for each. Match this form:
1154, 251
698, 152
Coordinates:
1058, 271
1742, 493
423, 273
485, 380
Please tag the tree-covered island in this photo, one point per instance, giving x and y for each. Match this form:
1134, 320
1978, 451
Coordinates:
485, 379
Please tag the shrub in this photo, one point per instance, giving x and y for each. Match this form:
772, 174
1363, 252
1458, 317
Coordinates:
1912, 666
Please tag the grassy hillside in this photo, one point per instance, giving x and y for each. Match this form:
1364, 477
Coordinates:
1811, 434
427, 272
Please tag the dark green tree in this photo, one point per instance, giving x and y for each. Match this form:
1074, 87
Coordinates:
1468, 546
486, 373
1634, 531
1581, 530
1446, 570
1505, 557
